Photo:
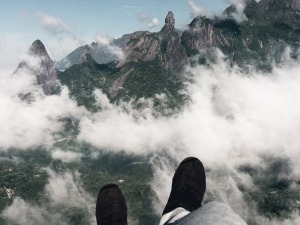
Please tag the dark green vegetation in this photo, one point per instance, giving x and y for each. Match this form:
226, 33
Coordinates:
83, 79
131, 82
24, 172
245, 44
276, 193
260, 39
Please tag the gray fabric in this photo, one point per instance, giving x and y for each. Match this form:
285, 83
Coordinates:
212, 213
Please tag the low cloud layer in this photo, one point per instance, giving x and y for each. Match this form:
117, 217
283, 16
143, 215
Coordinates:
230, 115
63, 191
28, 125
232, 119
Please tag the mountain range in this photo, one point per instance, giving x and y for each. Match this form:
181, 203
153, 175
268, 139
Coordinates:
152, 62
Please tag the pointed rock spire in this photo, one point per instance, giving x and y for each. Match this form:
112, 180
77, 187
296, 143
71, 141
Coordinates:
39, 64
37, 48
169, 23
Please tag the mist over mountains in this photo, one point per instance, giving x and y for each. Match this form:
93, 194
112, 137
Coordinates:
225, 89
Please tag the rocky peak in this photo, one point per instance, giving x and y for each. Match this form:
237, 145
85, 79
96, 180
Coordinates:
39, 64
38, 49
169, 23
85, 52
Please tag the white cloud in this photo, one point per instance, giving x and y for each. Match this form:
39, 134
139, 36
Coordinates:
53, 24
228, 111
196, 10
150, 21
154, 22
21, 213
28, 125
59, 46
66, 156
106, 42
240, 6
66, 189
62, 192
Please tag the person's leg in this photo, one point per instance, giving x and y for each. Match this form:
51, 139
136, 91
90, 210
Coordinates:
111, 208
211, 213
188, 187
183, 206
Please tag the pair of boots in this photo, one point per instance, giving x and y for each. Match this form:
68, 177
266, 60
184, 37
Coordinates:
188, 187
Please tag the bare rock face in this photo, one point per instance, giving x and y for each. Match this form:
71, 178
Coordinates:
202, 34
142, 46
39, 64
164, 46
169, 23
173, 53
83, 56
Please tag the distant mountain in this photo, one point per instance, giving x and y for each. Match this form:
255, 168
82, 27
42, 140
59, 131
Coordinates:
139, 46
164, 46
268, 23
269, 27
132, 81
38, 63
150, 69
261, 37
102, 54
153, 62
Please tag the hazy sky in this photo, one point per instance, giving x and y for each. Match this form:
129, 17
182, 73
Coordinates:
89, 17
64, 25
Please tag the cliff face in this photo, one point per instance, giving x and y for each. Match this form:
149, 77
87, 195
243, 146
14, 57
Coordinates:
267, 23
202, 34
164, 46
153, 62
174, 55
39, 64
142, 46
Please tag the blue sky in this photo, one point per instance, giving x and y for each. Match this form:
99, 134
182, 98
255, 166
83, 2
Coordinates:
64, 25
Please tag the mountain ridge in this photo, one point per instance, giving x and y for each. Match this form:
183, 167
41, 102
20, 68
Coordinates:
250, 42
